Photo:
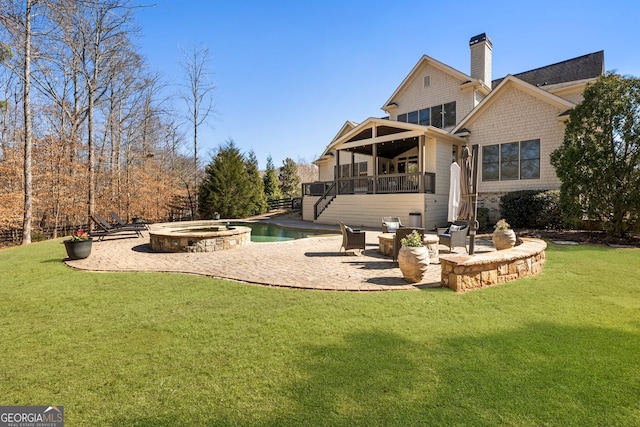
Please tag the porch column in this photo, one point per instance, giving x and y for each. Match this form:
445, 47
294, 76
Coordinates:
375, 168
421, 168
336, 178
374, 152
353, 160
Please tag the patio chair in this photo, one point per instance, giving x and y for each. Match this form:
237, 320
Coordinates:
454, 235
390, 224
106, 229
121, 223
352, 239
401, 233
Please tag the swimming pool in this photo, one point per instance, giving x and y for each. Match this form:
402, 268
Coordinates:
267, 232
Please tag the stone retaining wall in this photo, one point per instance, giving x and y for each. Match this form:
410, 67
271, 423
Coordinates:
466, 272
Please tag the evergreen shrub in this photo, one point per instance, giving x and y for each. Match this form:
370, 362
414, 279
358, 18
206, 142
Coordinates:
532, 209
483, 219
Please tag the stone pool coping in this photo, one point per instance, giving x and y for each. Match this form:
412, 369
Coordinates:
170, 228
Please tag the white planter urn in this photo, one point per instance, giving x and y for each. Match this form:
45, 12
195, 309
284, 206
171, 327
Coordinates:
503, 239
413, 262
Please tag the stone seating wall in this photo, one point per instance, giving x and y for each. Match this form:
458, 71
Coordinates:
467, 272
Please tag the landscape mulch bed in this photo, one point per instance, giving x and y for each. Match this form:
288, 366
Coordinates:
581, 236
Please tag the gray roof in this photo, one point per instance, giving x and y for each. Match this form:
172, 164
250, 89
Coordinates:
583, 67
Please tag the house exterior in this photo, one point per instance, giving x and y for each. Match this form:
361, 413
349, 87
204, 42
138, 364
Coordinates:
399, 165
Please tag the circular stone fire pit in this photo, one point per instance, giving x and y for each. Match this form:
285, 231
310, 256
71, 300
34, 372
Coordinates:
197, 236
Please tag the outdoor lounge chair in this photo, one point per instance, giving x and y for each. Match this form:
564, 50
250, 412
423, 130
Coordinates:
352, 239
106, 229
390, 224
121, 223
401, 233
454, 235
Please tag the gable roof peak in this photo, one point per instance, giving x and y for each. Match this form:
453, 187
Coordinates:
424, 59
505, 83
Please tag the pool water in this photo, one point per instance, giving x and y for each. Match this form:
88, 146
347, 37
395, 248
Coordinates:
274, 233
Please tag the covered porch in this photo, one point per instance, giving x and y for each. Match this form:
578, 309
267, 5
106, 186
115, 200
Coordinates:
394, 166
380, 156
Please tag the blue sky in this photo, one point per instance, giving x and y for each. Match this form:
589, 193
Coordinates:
289, 73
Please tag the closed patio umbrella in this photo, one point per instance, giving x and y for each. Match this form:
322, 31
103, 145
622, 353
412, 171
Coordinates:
468, 190
454, 192
465, 208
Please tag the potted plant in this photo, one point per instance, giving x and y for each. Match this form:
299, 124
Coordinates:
79, 245
503, 236
137, 218
413, 257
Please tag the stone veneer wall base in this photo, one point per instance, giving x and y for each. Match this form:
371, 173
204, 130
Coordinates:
197, 236
467, 272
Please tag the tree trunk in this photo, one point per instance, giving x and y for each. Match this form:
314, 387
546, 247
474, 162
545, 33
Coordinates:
28, 178
91, 161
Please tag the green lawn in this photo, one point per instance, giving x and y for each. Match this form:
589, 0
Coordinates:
137, 349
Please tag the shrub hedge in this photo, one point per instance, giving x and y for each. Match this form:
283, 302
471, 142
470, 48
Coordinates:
532, 209
483, 219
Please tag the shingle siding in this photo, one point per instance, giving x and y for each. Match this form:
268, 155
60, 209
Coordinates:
518, 116
516, 112
443, 88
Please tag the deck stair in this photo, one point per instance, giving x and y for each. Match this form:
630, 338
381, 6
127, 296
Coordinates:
324, 201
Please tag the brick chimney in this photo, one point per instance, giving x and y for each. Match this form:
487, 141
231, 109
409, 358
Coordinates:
481, 48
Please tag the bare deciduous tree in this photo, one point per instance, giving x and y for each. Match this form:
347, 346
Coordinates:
197, 94
17, 19
105, 27
308, 172
98, 119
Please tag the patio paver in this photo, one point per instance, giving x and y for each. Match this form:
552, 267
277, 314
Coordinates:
314, 263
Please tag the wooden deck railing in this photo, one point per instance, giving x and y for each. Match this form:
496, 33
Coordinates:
382, 184
323, 202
